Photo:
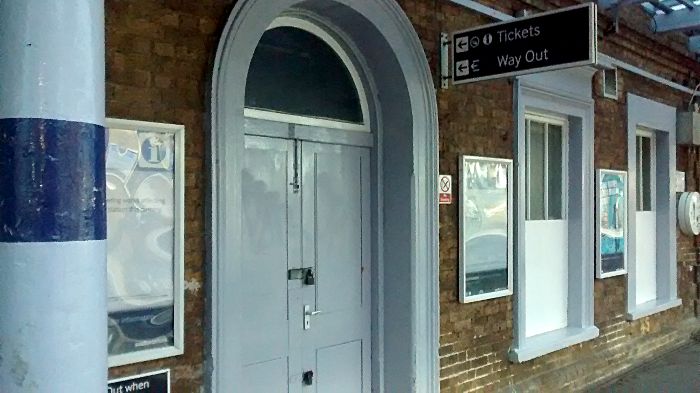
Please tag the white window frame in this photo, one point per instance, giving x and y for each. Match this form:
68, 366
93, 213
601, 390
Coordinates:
301, 23
644, 116
566, 94
548, 119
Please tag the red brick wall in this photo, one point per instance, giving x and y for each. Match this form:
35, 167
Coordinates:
159, 58
477, 120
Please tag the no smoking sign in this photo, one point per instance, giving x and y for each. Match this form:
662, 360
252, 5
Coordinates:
445, 189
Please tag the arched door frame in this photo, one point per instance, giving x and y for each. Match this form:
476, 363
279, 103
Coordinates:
407, 308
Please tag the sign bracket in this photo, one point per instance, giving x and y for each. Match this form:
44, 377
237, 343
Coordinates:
445, 75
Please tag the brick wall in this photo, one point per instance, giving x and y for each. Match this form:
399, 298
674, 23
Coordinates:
475, 337
159, 58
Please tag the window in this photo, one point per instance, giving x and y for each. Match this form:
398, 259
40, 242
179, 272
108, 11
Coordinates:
646, 156
651, 140
610, 83
299, 71
554, 229
545, 174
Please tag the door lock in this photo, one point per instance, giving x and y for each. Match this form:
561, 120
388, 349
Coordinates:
305, 274
307, 316
308, 378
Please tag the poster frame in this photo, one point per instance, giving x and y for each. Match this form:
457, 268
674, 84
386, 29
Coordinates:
178, 347
463, 298
599, 273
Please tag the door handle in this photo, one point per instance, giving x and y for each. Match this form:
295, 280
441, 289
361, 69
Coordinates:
307, 316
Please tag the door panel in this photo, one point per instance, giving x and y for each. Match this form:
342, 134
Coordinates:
340, 368
337, 188
266, 377
546, 276
335, 242
323, 224
265, 251
646, 256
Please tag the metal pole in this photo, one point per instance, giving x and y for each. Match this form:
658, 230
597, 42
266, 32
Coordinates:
53, 316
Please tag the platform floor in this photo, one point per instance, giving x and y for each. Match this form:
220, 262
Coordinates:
675, 372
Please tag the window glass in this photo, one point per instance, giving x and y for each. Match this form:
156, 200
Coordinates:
644, 176
296, 72
610, 82
554, 172
536, 170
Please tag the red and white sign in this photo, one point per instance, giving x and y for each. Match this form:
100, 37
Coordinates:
445, 189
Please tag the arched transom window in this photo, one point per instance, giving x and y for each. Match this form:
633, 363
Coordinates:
301, 74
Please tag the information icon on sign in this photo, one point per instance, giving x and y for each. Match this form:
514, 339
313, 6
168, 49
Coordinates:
488, 39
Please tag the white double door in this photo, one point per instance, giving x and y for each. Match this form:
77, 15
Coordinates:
305, 209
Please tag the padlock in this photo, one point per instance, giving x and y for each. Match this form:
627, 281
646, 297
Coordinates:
308, 378
309, 278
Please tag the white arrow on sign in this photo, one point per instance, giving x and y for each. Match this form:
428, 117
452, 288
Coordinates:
462, 44
463, 68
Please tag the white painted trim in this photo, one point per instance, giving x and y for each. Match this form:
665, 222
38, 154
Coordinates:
178, 347
303, 120
486, 10
549, 342
419, 366
651, 308
609, 61
555, 93
651, 115
603, 59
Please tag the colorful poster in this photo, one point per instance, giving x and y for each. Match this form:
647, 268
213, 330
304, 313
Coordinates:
612, 222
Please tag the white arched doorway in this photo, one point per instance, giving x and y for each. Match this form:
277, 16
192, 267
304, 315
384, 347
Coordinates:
401, 115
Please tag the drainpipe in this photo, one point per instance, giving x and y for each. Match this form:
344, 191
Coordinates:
53, 315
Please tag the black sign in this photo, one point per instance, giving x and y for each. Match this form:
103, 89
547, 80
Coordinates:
158, 382
543, 42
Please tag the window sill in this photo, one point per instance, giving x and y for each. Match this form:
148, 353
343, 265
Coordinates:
549, 342
652, 307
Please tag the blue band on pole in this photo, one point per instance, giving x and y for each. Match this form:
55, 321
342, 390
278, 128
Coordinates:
52, 181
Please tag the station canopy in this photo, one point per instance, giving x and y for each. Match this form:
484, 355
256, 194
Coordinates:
666, 16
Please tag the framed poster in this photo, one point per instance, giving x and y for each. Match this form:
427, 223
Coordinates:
611, 220
145, 240
485, 228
